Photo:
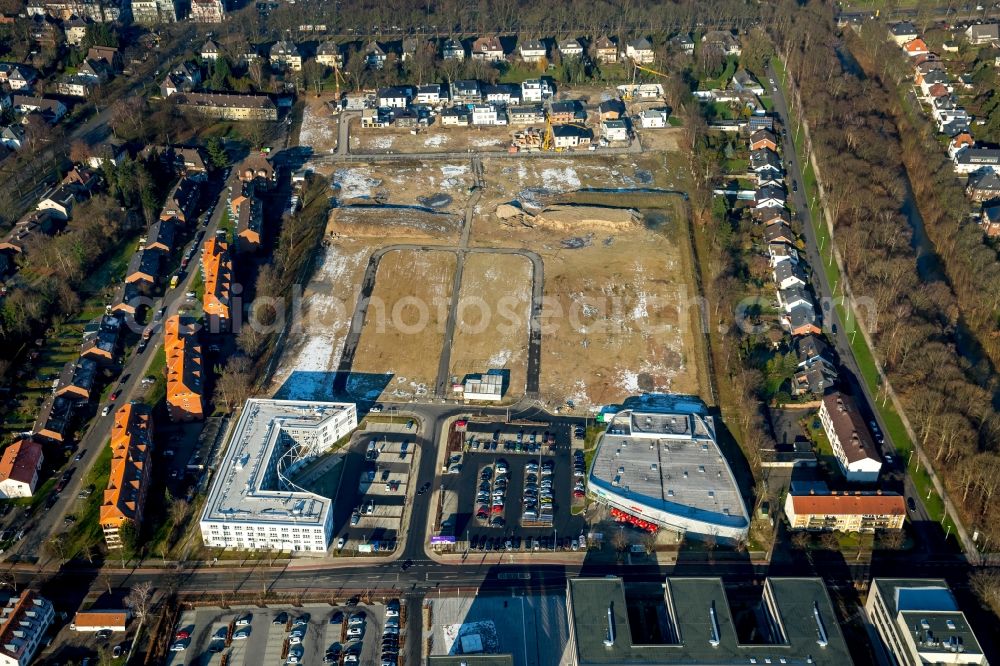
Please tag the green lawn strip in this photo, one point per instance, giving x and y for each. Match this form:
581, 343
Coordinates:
226, 224
158, 391
723, 111
519, 74
198, 285
863, 355
87, 528
720, 81
736, 166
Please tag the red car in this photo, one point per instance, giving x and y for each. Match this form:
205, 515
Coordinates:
498, 508
183, 634
114, 395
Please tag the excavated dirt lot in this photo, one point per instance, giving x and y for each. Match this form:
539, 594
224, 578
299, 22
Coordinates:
319, 125
434, 139
404, 328
491, 330
615, 317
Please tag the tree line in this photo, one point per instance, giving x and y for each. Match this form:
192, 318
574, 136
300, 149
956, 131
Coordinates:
913, 320
971, 263
52, 281
375, 17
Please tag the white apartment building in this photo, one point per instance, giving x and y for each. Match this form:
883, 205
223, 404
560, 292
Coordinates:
919, 622
254, 502
531, 91
23, 623
486, 114
850, 438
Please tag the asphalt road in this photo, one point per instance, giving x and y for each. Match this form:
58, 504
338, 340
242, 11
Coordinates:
927, 529
99, 432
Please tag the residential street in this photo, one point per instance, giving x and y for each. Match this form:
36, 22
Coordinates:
96, 437
929, 531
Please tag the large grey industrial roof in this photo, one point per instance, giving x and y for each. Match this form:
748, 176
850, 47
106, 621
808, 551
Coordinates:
671, 463
804, 614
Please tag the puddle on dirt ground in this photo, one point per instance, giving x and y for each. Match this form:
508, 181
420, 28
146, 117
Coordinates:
577, 242
532, 197
643, 177
658, 220
608, 241
439, 200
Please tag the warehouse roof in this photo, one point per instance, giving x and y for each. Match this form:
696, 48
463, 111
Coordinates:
696, 626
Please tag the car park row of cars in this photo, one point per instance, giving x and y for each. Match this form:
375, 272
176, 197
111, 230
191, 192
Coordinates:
390, 634
296, 635
491, 494
537, 497
237, 630
579, 474
521, 443
527, 544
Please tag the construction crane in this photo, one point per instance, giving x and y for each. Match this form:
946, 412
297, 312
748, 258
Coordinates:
549, 141
337, 77
635, 66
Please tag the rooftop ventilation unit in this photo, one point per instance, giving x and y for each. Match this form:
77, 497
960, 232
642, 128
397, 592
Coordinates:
822, 640
609, 642
714, 640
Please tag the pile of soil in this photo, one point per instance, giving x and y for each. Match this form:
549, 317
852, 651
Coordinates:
379, 221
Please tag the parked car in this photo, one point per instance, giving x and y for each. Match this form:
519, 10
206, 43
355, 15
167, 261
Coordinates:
280, 618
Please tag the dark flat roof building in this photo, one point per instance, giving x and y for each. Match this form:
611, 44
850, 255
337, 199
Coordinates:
692, 623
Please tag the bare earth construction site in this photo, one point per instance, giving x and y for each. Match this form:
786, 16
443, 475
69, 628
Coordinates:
442, 265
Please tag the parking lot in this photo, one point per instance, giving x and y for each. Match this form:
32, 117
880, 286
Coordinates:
372, 503
465, 487
304, 635
514, 439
